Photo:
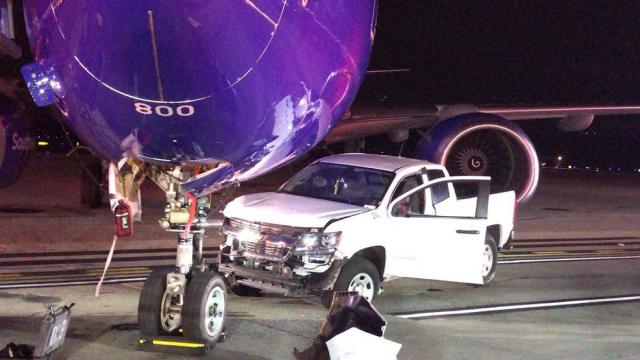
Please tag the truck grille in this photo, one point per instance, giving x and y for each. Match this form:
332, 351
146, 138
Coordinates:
271, 242
270, 229
267, 250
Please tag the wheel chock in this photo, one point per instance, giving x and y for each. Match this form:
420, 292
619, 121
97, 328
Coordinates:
176, 344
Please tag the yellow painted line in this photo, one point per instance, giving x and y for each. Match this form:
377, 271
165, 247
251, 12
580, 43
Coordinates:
90, 272
114, 269
535, 255
612, 251
177, 343
87, 272
14, 277
520, 255
117, 270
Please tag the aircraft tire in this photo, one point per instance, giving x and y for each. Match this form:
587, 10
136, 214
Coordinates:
150, 304
204, 310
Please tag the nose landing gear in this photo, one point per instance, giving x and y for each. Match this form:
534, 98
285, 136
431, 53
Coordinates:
183, 307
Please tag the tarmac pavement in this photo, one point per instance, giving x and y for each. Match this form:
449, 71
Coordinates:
579, 239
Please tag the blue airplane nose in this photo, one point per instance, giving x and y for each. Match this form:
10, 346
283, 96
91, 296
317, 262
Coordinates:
251, 82
169, 51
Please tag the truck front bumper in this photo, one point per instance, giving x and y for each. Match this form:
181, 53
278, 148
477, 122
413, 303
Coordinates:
272, 282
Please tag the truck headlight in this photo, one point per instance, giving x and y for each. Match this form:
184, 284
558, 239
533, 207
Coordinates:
307, 241
330, 240
315, 240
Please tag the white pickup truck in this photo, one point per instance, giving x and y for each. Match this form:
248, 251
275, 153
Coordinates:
351, 221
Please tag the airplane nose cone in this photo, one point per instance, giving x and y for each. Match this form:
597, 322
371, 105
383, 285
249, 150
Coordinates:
255, 83
167, 50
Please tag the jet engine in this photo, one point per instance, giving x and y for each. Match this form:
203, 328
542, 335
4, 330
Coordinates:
486, 145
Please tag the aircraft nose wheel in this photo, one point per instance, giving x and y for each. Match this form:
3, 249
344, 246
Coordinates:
157, 313
215, 316
204, 310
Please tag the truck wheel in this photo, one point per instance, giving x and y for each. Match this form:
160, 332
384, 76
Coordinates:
359, 275
154, 317
489, 259
204, 310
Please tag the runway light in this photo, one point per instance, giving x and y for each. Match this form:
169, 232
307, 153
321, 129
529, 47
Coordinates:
43, 143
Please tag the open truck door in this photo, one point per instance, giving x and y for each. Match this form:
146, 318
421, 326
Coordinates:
439, 245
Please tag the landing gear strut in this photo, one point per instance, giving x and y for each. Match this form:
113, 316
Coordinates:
190, 298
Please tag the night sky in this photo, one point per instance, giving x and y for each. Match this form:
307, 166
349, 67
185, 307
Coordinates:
519, 52
524, 52
514, 52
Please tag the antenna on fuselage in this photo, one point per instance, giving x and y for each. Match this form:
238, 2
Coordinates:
387, 71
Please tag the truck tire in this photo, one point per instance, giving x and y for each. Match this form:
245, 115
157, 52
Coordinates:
150, 304
204, 310
489, 259
359, 274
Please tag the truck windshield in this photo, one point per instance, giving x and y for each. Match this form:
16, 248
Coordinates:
346, 184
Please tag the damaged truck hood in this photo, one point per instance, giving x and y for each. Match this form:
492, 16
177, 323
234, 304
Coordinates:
289, 210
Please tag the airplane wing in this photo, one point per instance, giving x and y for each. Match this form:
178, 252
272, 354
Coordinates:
532, 112
363, 122
474, 140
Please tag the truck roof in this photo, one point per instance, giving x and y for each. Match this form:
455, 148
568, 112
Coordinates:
374, 161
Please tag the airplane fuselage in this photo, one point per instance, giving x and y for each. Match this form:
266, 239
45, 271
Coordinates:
250, 83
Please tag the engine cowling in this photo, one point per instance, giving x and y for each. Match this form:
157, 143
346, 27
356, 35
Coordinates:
485, 145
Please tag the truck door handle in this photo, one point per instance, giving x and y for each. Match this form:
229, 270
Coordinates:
468, 232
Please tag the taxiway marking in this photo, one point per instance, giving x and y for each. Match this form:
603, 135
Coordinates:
32, 270
621, 252
97, 252
92, 272
579, 258
71, 283
517, 307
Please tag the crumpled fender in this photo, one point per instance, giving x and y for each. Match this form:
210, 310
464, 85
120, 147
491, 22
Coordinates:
324, 281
